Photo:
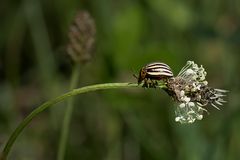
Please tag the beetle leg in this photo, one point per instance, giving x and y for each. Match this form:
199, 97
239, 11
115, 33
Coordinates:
145, 84
151, 83
155, 83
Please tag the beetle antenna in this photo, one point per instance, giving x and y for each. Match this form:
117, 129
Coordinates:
134, 75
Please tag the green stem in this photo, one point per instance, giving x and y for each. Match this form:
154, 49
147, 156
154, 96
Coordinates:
58, 99
68, 115
50, 103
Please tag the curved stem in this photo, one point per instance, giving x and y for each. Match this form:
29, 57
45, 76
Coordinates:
56, 100
50, 103
68, 115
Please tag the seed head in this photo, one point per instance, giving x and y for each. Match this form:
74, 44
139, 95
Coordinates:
81, 37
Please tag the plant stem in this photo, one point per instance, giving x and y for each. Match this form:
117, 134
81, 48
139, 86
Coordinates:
50, 103
56, 100
68, 115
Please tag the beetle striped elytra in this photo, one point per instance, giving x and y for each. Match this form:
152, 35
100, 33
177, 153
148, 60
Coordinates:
153, 72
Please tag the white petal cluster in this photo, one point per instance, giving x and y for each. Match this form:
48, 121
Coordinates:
192, 73
188, 111
191, 91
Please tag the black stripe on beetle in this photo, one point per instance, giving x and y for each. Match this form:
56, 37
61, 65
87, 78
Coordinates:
153, 72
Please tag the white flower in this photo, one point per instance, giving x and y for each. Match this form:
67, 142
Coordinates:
189, 112
191, 104
190, 89
182, 93
182, 105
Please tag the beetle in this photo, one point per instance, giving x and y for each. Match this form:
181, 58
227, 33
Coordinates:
153, 72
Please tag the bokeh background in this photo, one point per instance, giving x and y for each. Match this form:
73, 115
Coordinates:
123, 124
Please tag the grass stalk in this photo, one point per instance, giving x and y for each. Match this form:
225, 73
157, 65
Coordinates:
68, 115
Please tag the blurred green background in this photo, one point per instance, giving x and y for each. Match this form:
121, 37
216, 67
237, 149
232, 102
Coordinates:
124, 124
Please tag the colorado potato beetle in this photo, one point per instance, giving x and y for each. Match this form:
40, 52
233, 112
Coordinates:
153, 72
